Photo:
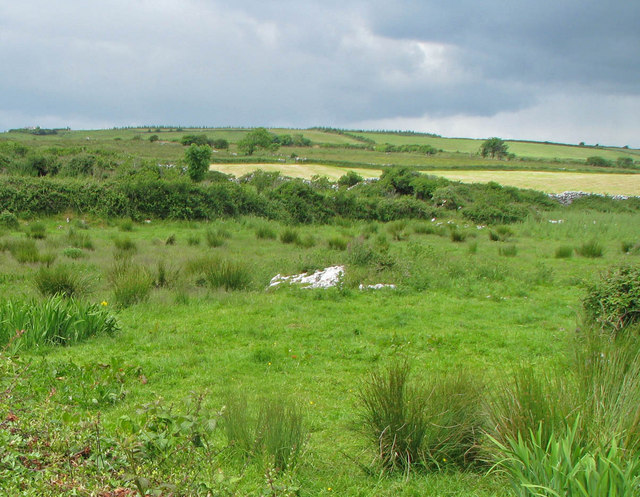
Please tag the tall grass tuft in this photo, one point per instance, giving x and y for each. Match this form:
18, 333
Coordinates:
591, 249
215, 238
265, 232
38, 230
275, 430
131, 282
397, 229
564, 252
62, 280
508, 251
528, 402
289, 235
337, 243
23, 250
306, 241
410, 424
79, 240
608, 382
125, 245
221, 273
229, 275
26, 324
193, 240
458, 236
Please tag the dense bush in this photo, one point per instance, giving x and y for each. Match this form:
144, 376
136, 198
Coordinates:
80, 165
301, 202
398, 180
351, 178
614, 301
598, 161
9, 220
199, 140
489, 213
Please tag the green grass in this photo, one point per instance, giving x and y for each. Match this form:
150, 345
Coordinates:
453, 310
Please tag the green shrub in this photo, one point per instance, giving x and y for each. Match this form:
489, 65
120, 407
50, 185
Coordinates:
275, 431
351, 178
38, 231
55, 321
411, 424
483, 212
614, 301
9, 220
62, 280
289, 235
598, 161
73, 253
591, 249
337, 243
564, 252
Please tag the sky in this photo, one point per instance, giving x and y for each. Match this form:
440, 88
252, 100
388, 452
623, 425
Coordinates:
548, 70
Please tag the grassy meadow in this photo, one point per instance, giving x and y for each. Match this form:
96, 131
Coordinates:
143, 352
465, 305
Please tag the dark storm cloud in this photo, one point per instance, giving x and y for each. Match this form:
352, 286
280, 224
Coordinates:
549, 41
305, 63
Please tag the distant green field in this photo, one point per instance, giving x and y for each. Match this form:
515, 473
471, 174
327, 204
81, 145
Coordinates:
458, 153
520, 148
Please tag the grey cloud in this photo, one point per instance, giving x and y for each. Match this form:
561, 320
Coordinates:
580, 42
303, 63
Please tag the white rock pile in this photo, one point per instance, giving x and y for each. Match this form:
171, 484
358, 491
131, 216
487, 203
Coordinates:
326, 278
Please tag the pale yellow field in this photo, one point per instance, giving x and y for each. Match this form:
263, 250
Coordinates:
550, 182
295, 170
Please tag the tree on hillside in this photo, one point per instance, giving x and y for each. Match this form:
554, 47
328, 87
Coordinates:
259, 137
494, 147
197, 158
